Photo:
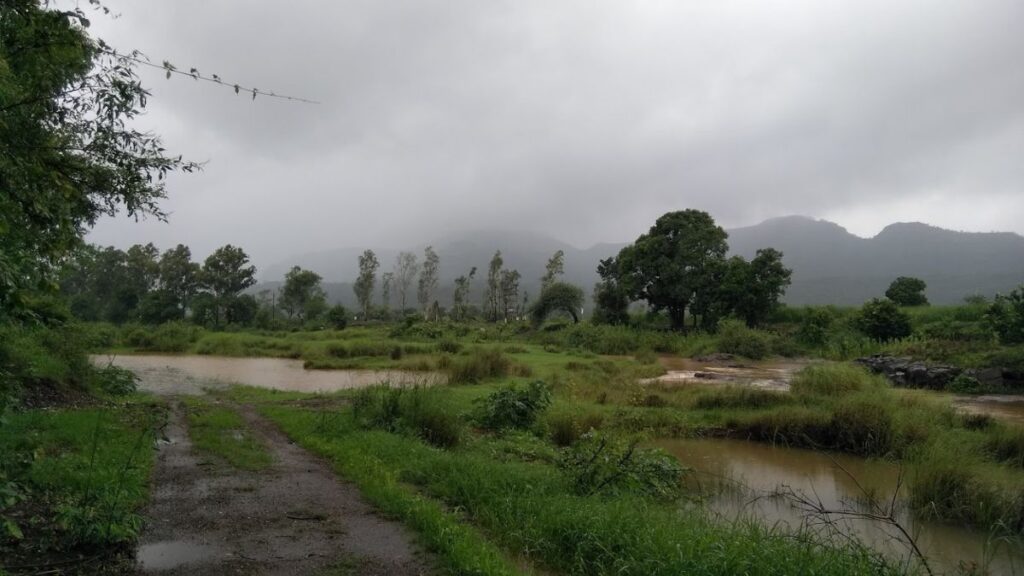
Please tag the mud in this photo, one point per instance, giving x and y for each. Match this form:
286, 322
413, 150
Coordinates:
293, 518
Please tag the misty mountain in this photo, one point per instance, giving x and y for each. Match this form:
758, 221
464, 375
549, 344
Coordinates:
830, 265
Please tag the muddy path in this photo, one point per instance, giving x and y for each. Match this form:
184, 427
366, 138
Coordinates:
293, 518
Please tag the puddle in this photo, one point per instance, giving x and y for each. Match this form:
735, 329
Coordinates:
769, 375
745, 478
173, 554
194, 374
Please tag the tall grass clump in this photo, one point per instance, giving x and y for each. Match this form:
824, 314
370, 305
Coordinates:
422, 412
513, 407
480, 364
835, 379
734, 337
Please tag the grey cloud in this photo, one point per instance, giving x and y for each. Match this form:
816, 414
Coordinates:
582, 120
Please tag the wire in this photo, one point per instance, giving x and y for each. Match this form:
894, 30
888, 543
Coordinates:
169, 69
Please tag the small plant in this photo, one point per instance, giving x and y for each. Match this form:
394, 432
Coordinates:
602, 464
513, 407
115, 380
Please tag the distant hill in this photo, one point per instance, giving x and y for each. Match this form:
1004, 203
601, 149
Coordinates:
830, 265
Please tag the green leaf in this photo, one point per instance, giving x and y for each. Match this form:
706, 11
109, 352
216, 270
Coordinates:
12, 529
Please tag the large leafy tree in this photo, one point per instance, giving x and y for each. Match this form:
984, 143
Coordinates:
672, 265
68, 152
751, 290
907, 291
611, 302
302, 296
225, 274
179, 276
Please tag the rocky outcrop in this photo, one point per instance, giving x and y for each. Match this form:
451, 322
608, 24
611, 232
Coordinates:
911, 373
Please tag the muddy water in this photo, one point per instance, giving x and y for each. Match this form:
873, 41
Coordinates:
193, 374
747, 479
768, 375
1004, 407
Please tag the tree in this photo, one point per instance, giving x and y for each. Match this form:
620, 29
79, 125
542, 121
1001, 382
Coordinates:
302, 296
553, 270
428, 278
1006, 316
557, 297
179, 276
669, 267
883, 320
611, 302
750, 290
406, 268
907, 291
143, 267
337, 317
492, 292
387, 280
460, 297
508, 294
225, 274
68, 154
363, 287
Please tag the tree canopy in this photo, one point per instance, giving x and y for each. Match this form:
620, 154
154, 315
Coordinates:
907, 291
557, 297
68, 152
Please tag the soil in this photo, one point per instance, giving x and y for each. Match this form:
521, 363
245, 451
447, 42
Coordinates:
293, 518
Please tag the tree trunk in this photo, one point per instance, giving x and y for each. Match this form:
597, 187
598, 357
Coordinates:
677, 315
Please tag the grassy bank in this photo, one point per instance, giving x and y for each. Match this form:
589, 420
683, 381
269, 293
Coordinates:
505, 486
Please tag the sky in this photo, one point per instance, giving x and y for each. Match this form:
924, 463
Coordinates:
582, 120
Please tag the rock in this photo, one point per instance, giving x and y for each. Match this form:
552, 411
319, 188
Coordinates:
910, 373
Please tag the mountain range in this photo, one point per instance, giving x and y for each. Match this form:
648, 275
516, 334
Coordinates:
830, 265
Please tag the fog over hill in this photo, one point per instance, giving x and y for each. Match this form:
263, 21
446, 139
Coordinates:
830, 265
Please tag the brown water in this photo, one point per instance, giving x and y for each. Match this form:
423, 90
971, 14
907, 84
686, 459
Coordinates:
194, 374
747, 479
1005, 407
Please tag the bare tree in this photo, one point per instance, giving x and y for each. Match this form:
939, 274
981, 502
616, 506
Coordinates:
406, 268
368, 265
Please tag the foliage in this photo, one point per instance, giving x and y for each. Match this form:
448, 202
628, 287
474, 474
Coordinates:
427, 284
553, 270
602, 464
557, 297
671, 265
882, 320
337, 317
302, 296
611, 301
480, 364
835, 380
225, 274
513, 407
752, 290
115, 380
68, 154
907, 291
416, 410
460, 296
734, 337
1006, 316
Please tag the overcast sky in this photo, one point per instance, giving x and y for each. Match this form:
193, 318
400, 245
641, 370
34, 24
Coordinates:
583, 120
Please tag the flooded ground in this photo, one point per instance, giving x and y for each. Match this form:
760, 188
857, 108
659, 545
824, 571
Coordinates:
193, 374
777, 374
747, 479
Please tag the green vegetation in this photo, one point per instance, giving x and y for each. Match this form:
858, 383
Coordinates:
528, 505
222, 432
72, 480
907, 291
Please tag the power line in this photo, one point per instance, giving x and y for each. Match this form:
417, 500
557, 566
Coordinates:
194, 74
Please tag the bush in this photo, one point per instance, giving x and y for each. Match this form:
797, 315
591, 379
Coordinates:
1006, 317
482, 363
965, 384
115, 380
566, 428
337, 317
883, 321
834, 380
815, 325
734, 337
602, 464
513, 407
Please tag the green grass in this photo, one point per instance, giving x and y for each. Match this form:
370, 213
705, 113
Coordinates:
531, 511
222, 432
75, 478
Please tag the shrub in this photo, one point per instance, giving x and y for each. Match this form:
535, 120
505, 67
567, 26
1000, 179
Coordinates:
1006, 316
115, 380
566, 428
965, 384
479, 365
602, 464
337, 317
513, 407
734, 337
815, 325
882, 320
834, 380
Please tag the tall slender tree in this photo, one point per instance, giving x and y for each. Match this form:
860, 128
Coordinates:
460, 297
387, 281
363, 287
406, 268
554, 269
492, 292
428, 279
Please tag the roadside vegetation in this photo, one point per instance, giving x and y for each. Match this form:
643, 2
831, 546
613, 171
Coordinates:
222, 432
